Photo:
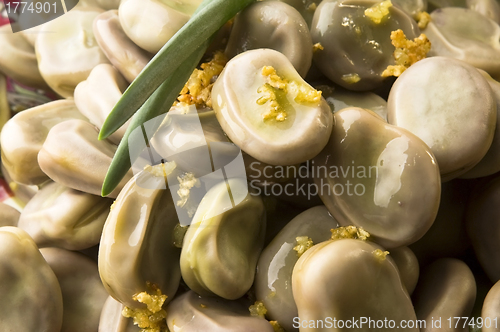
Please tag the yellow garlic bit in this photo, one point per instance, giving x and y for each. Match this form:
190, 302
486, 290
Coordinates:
186, 182
274, 93
276, 326
258, 309
152, 318
407, 52
380, 255
379, 11
198, 89
317, 47
422, 18
351, 78
303, 244
349, 232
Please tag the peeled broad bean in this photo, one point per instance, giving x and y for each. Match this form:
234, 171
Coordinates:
31, 296
306, 8
23, 135
67, 51
273, 281
274, 25
18, 59
82, 289
126, 56
191, 312
98, 94
348, 279
108, 4
489, 8
151, 23
73, 156
491, 309
379, 177
411, 7
446, 289
137, 250
466, 35
408, 267
8, 215
58, 216
450, 106
112, 319
221, 248
356, 50
294, 134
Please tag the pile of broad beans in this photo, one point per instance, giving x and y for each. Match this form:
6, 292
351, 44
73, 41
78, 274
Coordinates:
336, 162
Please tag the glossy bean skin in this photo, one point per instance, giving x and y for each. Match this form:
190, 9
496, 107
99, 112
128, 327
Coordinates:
31, 296
446, 289
191, 312
408, 267
344, 279
273, 281
8, 215
58, 216
112, 319
491, 309
137, 243
394, 172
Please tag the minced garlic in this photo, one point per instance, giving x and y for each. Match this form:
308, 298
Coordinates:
351, 78
186, 182
379, 11
422, 18
380, 255
152, 318
198, 89
303, 244
317, 47
349, 232
407, 52
258, 309
161, 170
276, 326
275, 90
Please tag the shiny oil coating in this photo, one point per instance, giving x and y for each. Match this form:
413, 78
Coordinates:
466, 35
298, 138
274, 25
112, 319
491, 309
82, 289
191, 312
306, 8
273, 281
67, 51
73, 156
98, 94
378, 176
137, 244
31, 296
23, 135
488, 8
151, 23
354, 44
8, 215
18, 59
220, 251
450, 106
446, 289
345, 280
483, 214
126, 56
58, 216
408, 267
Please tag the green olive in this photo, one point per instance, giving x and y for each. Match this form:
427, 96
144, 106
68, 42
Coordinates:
31, 296
273, 281
274, 25
379, 177
23, 135
137, 245
191, 312
222, 245
82, 289
450, 106
58, 216
349, 279
73, 156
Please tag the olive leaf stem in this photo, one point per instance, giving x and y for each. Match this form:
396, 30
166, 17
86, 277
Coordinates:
210, 16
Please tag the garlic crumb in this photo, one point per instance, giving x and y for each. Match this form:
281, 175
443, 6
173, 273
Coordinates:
317, 47
186, 182
202, 305
349, 232
423, 19
258, 309
276, 326
380, 255
351, 78
379, 11
407, 52
152, 318
303, 244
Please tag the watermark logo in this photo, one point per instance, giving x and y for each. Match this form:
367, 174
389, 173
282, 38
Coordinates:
24, 15
192, 164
